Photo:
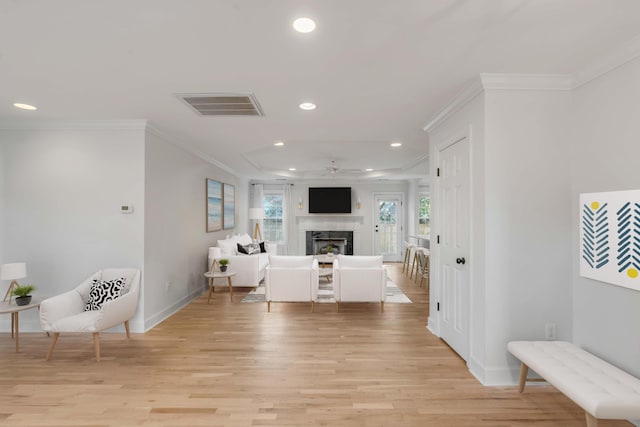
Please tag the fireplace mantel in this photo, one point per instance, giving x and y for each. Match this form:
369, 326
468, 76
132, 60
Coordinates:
359, 219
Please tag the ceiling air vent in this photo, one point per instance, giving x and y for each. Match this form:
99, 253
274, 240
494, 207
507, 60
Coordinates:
223, 104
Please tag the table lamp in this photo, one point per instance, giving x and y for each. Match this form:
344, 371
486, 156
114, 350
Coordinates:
258, 215
13, 271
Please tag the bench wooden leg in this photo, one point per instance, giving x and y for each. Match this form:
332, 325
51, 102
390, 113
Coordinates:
524, 371
591, 420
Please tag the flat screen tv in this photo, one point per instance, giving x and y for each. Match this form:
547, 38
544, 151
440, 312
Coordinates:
329, 199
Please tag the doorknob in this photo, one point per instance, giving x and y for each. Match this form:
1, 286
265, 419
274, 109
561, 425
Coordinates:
460, 261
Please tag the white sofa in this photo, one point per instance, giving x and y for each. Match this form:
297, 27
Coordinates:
359, 279
291, 279
249, 269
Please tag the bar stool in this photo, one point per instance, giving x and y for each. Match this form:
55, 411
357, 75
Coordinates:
425, 264
418, 264
408, 252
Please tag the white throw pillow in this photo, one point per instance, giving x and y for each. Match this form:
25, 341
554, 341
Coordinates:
244, 239
228, 247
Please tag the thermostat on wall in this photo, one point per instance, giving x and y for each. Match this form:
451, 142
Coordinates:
126, 208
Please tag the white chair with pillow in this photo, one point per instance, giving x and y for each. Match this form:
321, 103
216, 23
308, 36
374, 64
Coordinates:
106, 299
359, 279
291, 279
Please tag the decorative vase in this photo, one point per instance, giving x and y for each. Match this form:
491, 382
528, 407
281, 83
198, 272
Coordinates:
23, 300
223, 268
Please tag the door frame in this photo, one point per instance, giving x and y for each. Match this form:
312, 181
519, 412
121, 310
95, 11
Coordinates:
434, 291
400, 219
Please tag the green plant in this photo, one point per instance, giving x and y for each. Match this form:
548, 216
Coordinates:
23, 291
223, 261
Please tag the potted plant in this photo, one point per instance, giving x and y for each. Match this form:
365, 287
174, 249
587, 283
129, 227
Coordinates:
223, 264
329, 250
22, 294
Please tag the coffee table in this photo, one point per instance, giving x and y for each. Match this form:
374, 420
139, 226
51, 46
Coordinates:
220, 275
15, 309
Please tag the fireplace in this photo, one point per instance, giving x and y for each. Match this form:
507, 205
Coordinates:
320, 242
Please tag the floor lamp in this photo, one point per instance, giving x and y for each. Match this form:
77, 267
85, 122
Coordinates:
13, 271
256, 214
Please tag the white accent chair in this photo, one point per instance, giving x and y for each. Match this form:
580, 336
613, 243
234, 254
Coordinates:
291, 279
65, 312
359, 279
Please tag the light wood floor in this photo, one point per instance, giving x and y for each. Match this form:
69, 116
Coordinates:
233, 364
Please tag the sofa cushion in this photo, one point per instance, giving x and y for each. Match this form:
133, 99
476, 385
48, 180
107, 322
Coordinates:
103, 291
228, 246
350, 261
284, 261
244, 239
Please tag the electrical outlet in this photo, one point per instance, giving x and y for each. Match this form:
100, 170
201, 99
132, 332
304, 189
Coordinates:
550, 331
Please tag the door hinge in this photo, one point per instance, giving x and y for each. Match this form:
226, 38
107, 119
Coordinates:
438, 306
438, 239
438, 172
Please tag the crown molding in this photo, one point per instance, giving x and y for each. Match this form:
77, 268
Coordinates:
610, 61
23, 124
173, 141
546, 82
491, 81
460, 100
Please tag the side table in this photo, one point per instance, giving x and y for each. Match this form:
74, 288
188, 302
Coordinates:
220, 275
15, 310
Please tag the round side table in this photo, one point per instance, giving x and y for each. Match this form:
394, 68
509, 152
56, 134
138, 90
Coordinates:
220, 275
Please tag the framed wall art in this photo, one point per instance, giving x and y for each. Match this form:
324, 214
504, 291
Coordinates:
214, 205
610, 237
229, 206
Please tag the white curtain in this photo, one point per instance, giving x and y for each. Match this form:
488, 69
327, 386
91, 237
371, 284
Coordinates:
288, 220
256, 200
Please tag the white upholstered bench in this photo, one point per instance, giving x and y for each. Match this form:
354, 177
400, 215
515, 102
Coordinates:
598, 387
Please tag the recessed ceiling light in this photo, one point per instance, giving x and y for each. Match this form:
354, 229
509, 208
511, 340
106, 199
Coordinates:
24, 106
304, 25
308, 106
278, 144
396, 144
292, 169
368, 170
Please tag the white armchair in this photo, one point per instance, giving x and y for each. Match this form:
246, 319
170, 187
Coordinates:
359, 279
291, 279
66, 312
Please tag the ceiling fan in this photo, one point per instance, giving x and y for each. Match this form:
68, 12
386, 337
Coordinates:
333, 169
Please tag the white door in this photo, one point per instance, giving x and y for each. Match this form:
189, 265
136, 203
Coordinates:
453, 232
387, 226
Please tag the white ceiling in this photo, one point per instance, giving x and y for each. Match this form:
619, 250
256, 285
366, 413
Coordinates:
377, 69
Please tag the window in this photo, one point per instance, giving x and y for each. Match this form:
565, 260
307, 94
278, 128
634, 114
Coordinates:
272, 223
424, 214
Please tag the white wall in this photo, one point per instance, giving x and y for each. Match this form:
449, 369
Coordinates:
63, 189
176, 240
606, 149
528, 223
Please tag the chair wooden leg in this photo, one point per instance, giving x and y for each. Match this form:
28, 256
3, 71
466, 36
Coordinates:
126, 328
413, 265
268, 306
96, 345
54, 340
591, 420
524, 371
313, 306
381, 306
338, 305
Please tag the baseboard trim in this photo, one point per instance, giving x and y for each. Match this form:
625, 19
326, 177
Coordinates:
151, 322
432, 326
494, 376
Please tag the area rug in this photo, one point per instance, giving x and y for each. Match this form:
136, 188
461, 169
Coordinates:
325, 293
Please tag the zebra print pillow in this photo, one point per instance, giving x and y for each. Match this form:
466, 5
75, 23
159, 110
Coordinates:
103, 291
